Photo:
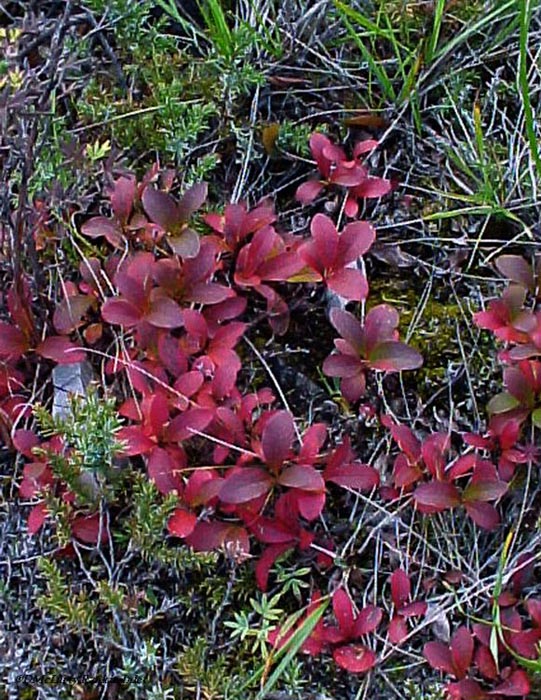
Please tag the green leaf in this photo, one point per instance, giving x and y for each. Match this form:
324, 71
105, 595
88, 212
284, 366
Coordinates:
502, 403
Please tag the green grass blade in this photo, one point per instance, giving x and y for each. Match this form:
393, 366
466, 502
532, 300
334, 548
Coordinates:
436, 29
524, 87
375, 66
291, 649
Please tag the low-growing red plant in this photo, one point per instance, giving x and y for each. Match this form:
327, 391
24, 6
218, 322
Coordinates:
337, 170
372, 345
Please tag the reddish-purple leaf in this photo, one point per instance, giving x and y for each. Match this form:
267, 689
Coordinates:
339, 365
87, 529
101, 226
302, 477
245, 485
355, 240
12, 340
516, 269
181, 523
163, 471
343, 611
187, 424
483, 514
466, 689
136, 441
348, 283
372, 187
310, 504
484, 491
400, 588
353, 476
122, 197
277, 438
121, 312
516, 685
37, 517
308, 191
162, 209
61, 350
398, 629
349, 328
165, 313
367, 620
70, 311
192, 200
439, 657
437, 495
325, 240
354, 658
462, 651
394, 356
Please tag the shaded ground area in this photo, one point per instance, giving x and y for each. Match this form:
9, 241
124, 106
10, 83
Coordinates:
230, 93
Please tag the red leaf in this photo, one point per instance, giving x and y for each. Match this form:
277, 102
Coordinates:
192, 200
12, 340
483, 514
101, 226
349, 328
37, 517
398, 629
308, 191
164, 313
437, 495
484, 491
466, 689
182, 522
87, 529
372, 187
310, 504
462, 651
61, 350
266, 560
302, 477
137, 442
325, 240
187, 424
69, 313
339, 365
24, 441
343, 611
162, 470
394, 356
400, 588
355, 240
368, 620
122, 197
348, 283
516, 269
186, 245
162, 209
277, 438
354, 658
354, 476
121, 312
439, 657
516, 685
245, 485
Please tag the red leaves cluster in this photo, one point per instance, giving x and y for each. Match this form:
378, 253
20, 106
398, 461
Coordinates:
336, 170
372, 345
469, 481
345, 636
470, 653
